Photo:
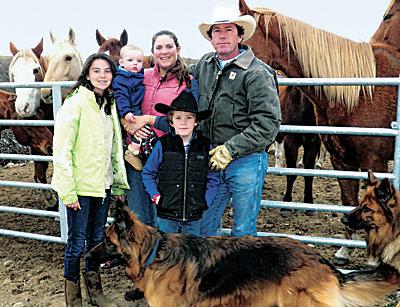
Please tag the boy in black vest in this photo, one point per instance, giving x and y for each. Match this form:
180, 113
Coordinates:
176, 175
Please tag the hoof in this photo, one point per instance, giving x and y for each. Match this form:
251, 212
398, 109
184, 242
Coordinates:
340, 261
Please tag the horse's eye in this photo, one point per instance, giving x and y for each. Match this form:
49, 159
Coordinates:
387, 16
36, 70
68, 58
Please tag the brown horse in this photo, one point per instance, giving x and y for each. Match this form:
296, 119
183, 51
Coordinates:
113, 46
291, 46
39, 139
388, 29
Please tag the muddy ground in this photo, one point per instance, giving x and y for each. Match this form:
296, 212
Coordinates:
31, 271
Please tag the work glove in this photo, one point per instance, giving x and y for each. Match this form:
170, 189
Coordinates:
220, 158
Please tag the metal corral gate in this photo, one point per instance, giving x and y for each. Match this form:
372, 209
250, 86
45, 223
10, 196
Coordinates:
394, 176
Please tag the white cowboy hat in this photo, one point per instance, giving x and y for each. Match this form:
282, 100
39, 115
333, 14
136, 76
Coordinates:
227, 15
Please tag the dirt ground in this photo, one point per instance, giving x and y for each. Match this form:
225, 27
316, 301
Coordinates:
31, 271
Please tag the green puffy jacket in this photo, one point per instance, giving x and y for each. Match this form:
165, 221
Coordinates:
78, 149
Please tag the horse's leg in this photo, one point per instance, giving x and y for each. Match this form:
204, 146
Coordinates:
349, 195
40, 177
321, 157
311, 149
291, 153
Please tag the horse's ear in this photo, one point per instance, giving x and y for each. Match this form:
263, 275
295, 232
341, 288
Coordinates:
13, 49
53, 39
38, 49
372, 180
99, 38
244, 8
71, 36
124, 38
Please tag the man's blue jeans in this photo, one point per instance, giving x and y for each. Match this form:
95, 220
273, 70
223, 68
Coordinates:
138, 199
242, 180
171, 226
85, 230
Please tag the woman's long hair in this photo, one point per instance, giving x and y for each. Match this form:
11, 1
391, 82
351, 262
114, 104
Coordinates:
180, 69
83, 81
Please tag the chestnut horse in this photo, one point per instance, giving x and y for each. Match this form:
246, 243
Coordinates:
113, 47
302, 51
39, 139
27, 65
64, 64
388, 31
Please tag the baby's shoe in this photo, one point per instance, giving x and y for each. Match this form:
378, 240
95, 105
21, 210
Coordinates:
133, 160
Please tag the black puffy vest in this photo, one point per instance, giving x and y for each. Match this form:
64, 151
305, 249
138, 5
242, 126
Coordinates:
183, 178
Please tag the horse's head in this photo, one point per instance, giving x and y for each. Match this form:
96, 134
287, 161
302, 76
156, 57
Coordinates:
112, 46
388, 31
27, 66
64, 63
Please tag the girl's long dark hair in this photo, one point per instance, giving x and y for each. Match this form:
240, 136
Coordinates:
180, 69
83, 81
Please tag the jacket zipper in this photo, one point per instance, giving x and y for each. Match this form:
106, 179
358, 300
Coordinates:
184, 189
216, 85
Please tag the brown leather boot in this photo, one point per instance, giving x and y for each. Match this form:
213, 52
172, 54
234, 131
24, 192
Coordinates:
72, 293
94, 290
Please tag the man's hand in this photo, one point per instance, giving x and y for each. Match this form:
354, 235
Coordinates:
220, 158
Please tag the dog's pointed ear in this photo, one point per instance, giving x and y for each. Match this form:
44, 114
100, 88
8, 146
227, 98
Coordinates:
372, 180
385, 191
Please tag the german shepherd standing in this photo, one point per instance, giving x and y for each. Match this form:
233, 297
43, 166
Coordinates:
176, 270
379, 214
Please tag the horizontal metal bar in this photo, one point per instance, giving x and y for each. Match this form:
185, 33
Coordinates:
20, 157
310, 240
37, 84
325, 173
26, 122
28, 235
338, 81
305, 206
339, 130
26, 211
25, 185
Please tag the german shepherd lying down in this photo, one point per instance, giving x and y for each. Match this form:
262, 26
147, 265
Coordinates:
379, 214
183, 270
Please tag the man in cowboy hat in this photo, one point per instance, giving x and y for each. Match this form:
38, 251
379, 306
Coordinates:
176, 174
242, 94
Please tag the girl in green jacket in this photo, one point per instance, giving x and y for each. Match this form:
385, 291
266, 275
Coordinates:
88, 163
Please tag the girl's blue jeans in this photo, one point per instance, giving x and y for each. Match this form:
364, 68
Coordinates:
85, 230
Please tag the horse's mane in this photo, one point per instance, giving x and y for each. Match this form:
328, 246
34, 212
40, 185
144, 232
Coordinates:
26, 54
392, 2
325, 55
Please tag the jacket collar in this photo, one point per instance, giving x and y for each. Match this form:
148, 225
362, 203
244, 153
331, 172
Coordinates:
243, 60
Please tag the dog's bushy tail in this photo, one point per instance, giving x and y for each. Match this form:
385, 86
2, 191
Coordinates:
367, 287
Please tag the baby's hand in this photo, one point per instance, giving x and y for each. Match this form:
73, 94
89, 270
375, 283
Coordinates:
129, 117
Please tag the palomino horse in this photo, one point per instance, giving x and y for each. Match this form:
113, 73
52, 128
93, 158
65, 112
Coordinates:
27, 66
39, 139
64, 64
113, 47
301, 50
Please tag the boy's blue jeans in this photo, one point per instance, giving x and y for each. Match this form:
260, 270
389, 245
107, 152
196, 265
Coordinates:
242, 180
171, 226
138, 200
85, 230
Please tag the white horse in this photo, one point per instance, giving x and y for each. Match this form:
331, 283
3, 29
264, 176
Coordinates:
64, 63
27, 66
